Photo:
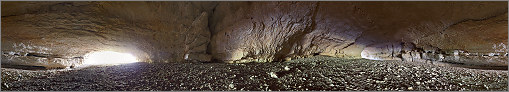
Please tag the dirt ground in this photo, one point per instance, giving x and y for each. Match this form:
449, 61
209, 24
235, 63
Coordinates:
314, 73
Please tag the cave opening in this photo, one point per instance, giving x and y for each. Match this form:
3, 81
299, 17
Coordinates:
108, 57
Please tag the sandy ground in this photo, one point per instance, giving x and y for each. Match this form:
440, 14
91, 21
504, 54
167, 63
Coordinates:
315, 73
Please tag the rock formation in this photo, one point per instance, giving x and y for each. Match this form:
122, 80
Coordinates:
58, 34
410, 31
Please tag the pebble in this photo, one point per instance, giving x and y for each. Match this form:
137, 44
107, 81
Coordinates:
287, 68
273, 75
5, 85
379, 82
231, 86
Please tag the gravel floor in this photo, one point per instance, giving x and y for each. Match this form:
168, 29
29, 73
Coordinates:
315, 73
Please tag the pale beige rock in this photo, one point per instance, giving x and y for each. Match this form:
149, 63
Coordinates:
273, 31
152, 31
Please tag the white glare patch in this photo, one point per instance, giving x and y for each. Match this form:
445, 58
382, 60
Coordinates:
108, 57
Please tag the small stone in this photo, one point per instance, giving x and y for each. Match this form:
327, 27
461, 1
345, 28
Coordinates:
273, 75
288, 59
410, 88
287, 68
418, 83
379, 81
231, 86
5, 85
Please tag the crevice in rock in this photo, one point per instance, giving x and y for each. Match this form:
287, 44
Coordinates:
40, 55
25, 67
350, 44
211, 29
466, 20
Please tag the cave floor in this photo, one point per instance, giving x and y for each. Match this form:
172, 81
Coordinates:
314, 73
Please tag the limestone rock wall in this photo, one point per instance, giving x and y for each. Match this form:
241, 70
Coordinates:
59, 34
424, 31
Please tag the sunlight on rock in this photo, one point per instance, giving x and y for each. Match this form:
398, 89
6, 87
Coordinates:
108, 57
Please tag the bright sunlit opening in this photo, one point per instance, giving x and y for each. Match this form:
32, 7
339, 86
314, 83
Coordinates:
108, 57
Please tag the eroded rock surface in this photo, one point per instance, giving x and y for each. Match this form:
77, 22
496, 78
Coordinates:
59, 34
410, 31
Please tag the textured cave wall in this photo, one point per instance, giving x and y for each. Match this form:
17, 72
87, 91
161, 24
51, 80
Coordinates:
59, 34
410, 31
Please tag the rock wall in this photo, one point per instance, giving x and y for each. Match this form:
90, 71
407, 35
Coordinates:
60, 33
278, 31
